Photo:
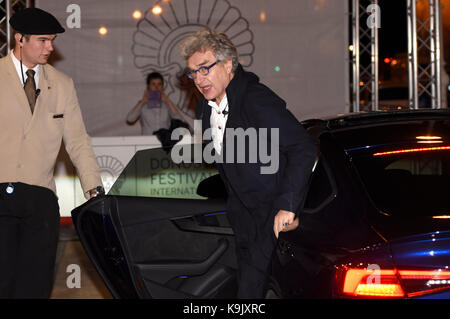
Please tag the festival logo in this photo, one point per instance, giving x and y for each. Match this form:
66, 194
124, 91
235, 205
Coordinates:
155, 42
110, 169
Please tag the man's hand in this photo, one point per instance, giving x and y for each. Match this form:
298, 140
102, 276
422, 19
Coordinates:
284, 221
94, 192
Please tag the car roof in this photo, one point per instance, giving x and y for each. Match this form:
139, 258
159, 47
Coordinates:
353, 120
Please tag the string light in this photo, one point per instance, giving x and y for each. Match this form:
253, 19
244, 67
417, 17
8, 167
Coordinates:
156, 10
102, 30
262, 16
137, 14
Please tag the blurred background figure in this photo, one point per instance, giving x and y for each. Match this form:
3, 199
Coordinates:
155, 110
191, 98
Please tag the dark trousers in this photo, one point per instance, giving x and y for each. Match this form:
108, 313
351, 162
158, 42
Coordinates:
253, 272
29, 227
255, 244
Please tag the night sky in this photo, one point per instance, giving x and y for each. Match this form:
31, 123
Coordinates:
392, 35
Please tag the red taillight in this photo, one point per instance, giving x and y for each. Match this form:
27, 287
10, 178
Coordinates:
372, 283
391, 283
421, 282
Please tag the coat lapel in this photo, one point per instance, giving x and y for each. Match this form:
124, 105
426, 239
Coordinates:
18, 91
45, 85
235, 91
206, 115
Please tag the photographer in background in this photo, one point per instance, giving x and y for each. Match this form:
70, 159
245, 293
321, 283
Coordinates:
155, 109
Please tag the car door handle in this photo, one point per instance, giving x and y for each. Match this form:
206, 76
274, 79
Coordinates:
190, 224
163, 271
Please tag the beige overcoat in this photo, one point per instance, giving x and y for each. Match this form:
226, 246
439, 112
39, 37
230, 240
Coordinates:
29, 143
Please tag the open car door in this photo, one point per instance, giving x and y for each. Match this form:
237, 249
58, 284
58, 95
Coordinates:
154, 236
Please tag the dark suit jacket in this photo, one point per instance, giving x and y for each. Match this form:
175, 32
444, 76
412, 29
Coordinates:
252, 104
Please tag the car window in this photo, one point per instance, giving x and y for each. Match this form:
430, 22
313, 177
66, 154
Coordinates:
153, 173
409, 184
322, 188
404, 166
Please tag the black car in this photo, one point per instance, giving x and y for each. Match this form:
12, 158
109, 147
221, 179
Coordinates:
375, 222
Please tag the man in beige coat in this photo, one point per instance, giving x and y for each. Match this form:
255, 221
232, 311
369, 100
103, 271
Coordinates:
39, 109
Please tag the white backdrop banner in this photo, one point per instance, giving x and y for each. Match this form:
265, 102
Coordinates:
297, 48
112, 153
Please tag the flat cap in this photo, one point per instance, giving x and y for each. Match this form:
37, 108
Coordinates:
35, 21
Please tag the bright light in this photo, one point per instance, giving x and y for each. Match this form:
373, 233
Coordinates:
357, 283
380, 290
442, 148
429, 139
137, 14
350, 47
425, 137
386, 282
387, 60
429, 142
156, 10
262, 16
442, 217
277, 69
102, 30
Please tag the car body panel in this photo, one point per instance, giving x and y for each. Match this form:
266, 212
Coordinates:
146, 247
431, 250
307, 267
162, 248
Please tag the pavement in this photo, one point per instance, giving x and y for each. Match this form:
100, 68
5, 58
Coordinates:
76, 277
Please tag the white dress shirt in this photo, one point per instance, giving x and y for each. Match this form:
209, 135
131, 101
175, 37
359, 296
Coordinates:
25, 69
218, 121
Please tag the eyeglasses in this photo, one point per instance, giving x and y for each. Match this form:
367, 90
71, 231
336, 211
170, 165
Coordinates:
203, 70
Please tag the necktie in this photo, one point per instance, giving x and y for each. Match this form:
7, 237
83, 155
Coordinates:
30, 89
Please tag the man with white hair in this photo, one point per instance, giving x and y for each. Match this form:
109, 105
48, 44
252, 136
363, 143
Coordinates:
259, 206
